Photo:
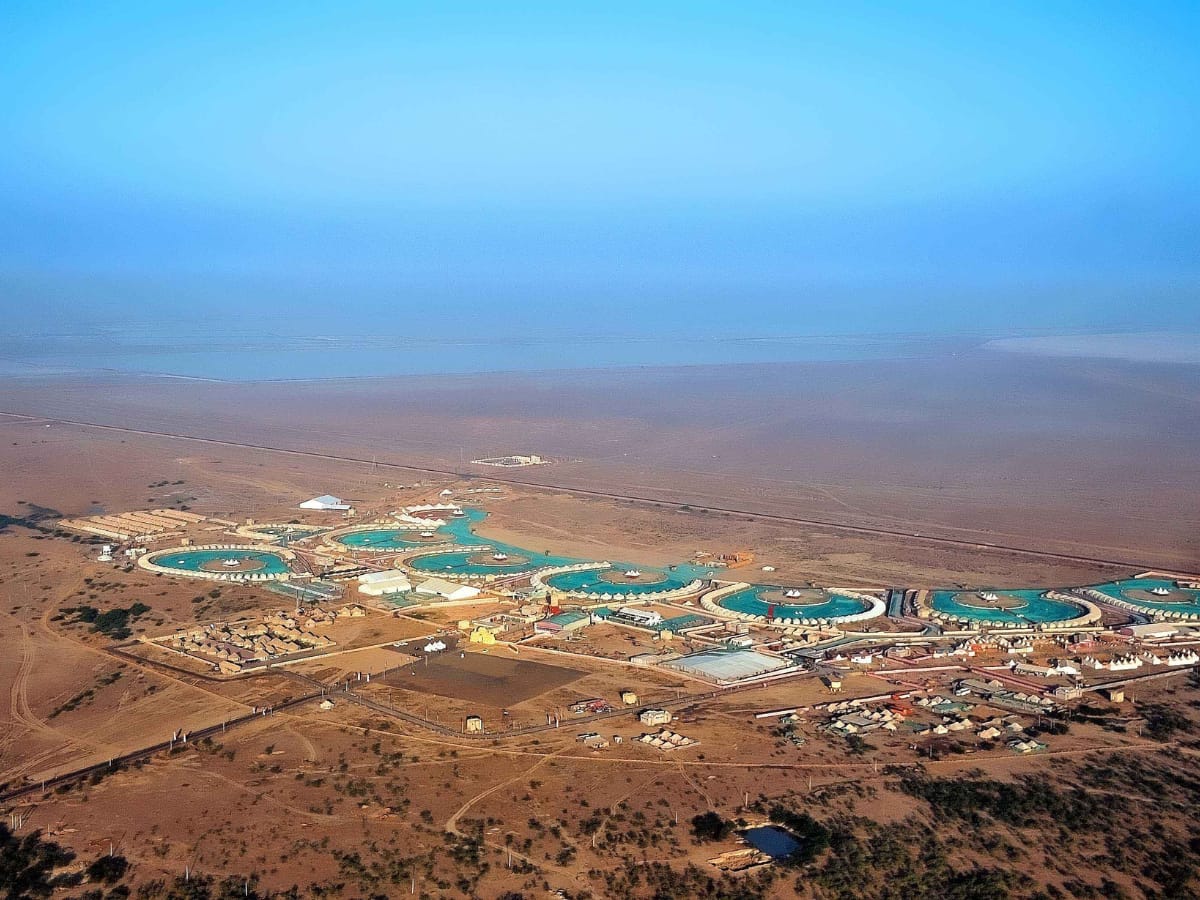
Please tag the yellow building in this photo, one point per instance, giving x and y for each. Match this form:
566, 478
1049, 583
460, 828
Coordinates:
482, 635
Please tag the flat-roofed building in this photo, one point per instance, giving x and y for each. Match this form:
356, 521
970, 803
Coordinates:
725, 665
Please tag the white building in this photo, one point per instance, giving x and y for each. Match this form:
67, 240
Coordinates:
447, 590
655, 717
645, 617
383, 575
1152, 631
398, 584
325, 502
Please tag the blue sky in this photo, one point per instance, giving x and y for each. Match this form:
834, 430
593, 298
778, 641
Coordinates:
816, 167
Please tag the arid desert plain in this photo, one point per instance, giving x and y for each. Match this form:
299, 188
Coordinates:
931, 625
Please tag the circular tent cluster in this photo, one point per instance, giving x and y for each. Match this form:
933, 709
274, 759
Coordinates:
221, 562
596, 581
773, 605
389, 538
1158, 598
477, 562
1004, 608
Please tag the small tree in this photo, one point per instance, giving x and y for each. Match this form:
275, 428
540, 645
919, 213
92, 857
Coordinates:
108, 869
710, 826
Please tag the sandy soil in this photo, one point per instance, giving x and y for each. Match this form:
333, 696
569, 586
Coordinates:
287, 798
1043, 454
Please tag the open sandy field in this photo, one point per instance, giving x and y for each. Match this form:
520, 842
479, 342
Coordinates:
494, 681
1082, 457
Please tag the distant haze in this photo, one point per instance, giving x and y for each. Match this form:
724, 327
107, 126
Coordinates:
1155, 347
179, 180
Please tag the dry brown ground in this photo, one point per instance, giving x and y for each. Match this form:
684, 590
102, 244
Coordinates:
226, 809
1086, 457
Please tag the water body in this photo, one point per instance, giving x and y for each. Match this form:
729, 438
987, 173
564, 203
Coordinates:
771, 840
210, 561
1125, 590
751, 601
1172, 347
1035, 607
460, 562
255, 358
383, 539
590, 580
461, 530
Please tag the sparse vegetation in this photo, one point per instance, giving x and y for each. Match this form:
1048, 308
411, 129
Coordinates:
113, 623
710, 826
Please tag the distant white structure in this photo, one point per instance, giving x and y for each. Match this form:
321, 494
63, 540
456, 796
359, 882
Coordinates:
511, 462
325, 502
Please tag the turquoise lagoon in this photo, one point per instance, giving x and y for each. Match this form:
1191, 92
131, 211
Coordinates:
1118, 590
385, 539
1036, 608
751, 601
589, 581
209, 561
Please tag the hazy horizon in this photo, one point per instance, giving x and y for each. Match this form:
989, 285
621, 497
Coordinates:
624, 173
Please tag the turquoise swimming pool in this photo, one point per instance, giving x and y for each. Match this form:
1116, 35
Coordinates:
281, 530
461, 531
469, 562
251, 562
1138, 592
751, 601
591, 581
390, 539
1034, 607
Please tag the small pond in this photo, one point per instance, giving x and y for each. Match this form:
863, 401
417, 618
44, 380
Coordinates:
776, 842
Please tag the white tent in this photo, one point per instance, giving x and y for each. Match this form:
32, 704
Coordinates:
384, 575
325, 501
397, 585
447, 590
